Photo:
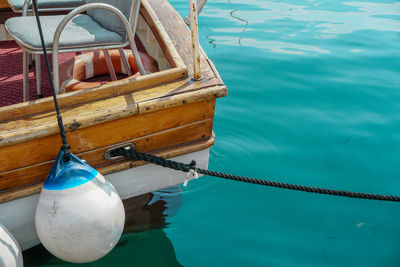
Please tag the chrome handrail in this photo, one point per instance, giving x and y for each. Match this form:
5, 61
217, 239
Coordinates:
130, 33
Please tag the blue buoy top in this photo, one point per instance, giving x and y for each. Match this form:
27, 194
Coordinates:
65, 175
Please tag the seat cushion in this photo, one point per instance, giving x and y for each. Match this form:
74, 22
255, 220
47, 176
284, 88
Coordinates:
45, 4
107, 19
81, 31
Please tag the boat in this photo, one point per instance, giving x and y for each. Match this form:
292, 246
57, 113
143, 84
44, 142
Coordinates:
168, 113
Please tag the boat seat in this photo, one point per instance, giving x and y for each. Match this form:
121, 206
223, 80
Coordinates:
25, 7
106, 24
80, 32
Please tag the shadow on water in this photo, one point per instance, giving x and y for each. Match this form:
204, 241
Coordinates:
144, 242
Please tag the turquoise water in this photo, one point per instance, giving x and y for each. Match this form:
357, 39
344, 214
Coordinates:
314, 99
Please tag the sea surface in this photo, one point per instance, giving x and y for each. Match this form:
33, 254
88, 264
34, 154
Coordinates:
314, 99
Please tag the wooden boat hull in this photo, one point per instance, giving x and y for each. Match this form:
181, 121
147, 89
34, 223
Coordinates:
18, 216
4, 4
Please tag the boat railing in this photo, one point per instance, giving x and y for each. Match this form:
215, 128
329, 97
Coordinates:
130, 31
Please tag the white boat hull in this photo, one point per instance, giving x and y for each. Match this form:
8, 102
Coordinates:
18, 216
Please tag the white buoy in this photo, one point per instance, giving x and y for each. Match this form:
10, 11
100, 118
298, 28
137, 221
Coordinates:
10, 252
79, 216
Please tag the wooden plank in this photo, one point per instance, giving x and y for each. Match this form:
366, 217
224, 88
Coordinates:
165, 139
28, 190
107, 90
4, 4
175, 100
74, 118
24, 176
17, 193
46, 148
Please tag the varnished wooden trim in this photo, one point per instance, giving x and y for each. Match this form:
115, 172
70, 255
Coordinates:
175, 100
4, 4
17, 193
105, 91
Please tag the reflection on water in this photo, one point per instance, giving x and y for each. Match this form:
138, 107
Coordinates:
150, 211
314, 21
242, 20
144, 242
273, 46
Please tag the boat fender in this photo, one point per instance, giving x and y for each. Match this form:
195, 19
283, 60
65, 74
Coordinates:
80, 216
10, 252
76, 70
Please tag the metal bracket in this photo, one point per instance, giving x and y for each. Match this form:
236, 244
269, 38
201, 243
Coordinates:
110, 154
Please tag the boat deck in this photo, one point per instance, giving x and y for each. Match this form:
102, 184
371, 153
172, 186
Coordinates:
166, 113
11, 73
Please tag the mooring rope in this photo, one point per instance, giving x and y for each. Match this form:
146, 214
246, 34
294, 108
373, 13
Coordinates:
66, 147
132, 154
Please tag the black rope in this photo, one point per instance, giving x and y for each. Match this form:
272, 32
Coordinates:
135, 155
66, 147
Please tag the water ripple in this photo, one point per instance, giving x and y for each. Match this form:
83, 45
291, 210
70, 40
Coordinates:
259, 23
332, 22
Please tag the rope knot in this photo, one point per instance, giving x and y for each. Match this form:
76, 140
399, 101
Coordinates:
192, 165
67, 152
192, 174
